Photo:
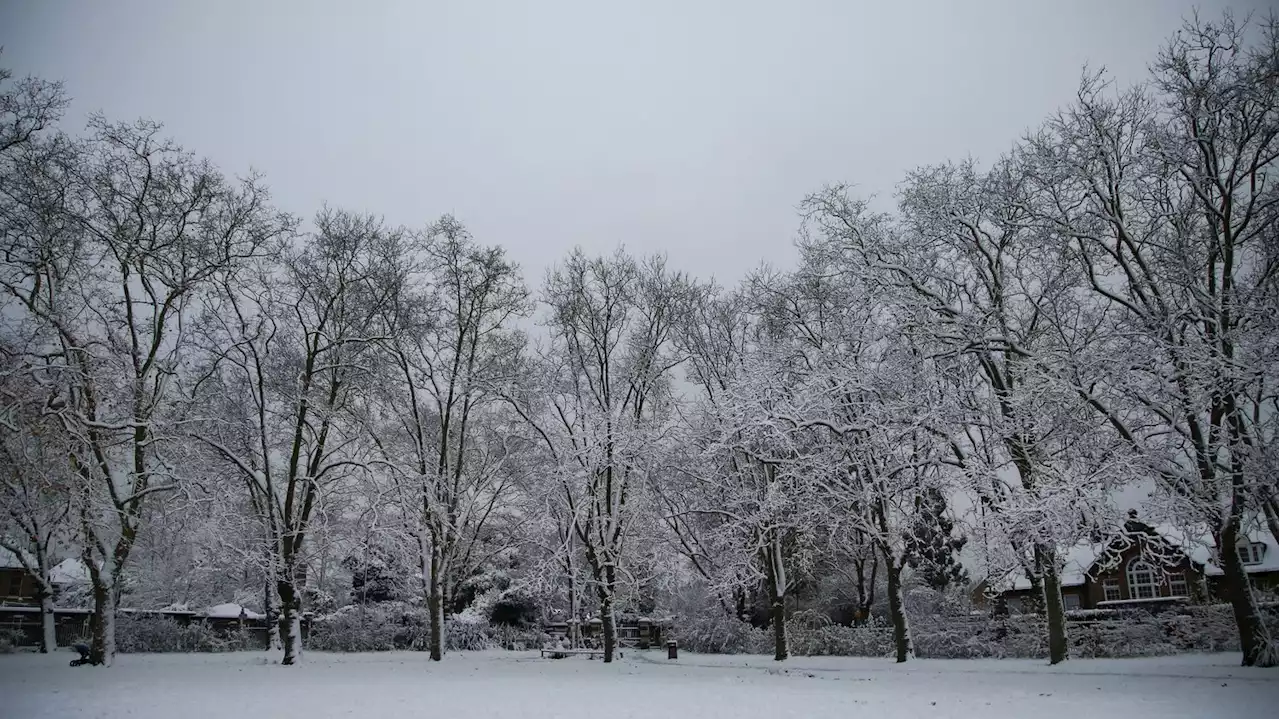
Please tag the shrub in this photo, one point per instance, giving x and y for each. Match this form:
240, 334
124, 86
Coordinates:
1099, 634
517, 638
143, 633
396, 625
514, 608
10, 639
713, 632
370, 628
467, 636
839, 641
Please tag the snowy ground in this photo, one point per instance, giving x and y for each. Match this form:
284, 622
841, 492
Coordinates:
516, 684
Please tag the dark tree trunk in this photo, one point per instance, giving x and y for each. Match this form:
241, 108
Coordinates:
102, 644
1054, 608
290, 619
1256, 645
435, 603
269, 603
776, 583
778, 618
608, 625
897, 612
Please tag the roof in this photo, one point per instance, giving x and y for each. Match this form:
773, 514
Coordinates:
72, 570
230, 610
1199, 548
1080, 558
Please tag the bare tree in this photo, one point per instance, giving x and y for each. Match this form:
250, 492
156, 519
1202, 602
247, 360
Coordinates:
981, 284
1167, 194
35, 489
607, 400
288, 350
28, 108
111, 252
452, 345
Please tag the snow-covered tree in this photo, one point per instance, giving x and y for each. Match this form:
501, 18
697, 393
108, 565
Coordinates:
288, 348
452, 343
983, 287
603, 409
112, 244
36, 488
1166, 193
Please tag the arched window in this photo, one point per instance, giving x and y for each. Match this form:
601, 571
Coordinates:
1144, 581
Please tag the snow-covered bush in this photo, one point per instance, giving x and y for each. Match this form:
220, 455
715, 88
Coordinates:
142, 633
514, 607
10, 639
467, 636
714, 632
517, 638
840, 641
370, 628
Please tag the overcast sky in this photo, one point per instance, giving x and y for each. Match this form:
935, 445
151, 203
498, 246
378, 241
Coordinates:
689, 128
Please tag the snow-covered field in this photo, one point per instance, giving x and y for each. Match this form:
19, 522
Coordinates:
515, 684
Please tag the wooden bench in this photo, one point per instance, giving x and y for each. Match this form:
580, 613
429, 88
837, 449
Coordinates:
562, 653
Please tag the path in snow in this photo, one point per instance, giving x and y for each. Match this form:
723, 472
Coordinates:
519, 684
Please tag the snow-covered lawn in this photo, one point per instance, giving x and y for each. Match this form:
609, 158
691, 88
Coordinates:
519, 684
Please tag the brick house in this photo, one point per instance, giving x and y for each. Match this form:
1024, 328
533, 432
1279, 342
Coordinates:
1151, 565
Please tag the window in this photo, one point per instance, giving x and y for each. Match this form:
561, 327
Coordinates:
1071, 601
1111, 590
1143, 580
11, 583
1178, 585
1251, 553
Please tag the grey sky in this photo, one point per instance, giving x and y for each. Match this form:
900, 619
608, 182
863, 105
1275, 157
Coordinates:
690, 128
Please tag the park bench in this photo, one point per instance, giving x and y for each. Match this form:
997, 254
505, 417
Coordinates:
562, 653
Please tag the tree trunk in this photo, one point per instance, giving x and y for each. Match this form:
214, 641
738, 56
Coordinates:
898, 612
435, 604
608, 625
1257, 647
102, 647
776, 579
778, 618
271, 609
1054, 608
48, 624
290, 620
572, 626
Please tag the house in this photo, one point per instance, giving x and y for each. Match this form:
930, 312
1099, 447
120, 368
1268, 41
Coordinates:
1145, 565
17, 586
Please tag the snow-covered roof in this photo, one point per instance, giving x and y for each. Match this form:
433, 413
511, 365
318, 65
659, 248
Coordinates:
69, 571
1079, 557
1199, 548
230, 610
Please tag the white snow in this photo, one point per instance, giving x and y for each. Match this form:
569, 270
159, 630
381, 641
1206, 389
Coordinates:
69, 571
519, 684
1200, 548
9, 560
1079, 558
230, 610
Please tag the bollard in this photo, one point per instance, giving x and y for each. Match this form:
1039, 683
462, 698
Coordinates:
671, 649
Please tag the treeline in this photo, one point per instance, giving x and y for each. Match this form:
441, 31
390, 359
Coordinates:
210, 392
